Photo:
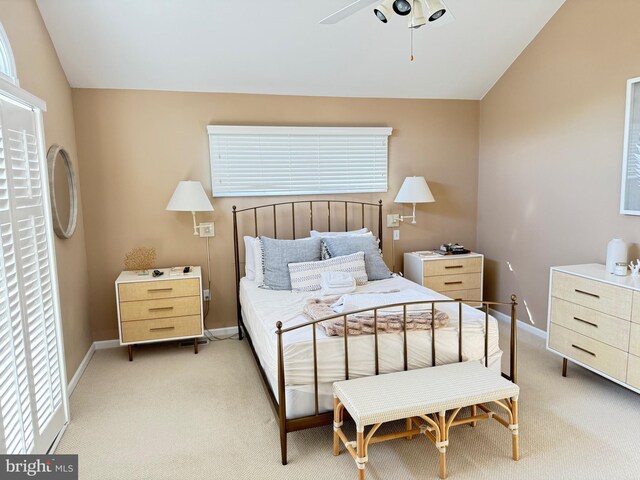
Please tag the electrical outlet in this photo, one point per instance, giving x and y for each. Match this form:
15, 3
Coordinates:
393, 220
207, 230
396, 234
206, 295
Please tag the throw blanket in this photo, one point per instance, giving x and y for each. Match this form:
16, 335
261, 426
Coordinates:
390, 320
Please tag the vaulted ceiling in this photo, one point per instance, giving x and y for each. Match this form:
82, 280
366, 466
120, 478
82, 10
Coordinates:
278, 47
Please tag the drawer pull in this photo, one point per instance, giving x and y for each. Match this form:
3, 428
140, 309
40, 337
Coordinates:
583, 350
453, 266
459, 282
159, 289
587, 293
156, 329
584, 321
157, 309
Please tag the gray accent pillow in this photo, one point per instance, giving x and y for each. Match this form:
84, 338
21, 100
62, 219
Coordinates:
374, 264
278, 254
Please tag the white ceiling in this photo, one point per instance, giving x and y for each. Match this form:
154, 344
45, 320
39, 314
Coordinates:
278, 47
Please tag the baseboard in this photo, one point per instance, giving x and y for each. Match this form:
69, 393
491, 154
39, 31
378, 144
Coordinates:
222, 332
101, 345
81, 368
527, 327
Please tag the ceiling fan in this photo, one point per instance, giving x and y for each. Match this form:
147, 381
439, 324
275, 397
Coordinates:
414, 9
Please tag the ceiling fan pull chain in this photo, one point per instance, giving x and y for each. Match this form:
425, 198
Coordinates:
411, 43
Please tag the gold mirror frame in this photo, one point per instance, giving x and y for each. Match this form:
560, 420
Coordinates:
55, 152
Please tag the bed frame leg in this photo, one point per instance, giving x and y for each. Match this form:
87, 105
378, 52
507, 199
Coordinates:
283, 444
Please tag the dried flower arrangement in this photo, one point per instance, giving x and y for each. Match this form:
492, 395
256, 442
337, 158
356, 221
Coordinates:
140, 258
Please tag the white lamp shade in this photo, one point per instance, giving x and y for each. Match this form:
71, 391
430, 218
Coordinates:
189, 196
414, 190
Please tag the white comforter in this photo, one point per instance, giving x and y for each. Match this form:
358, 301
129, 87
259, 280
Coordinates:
263, 308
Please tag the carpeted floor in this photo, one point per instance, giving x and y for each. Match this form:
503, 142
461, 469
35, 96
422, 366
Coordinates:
173, 415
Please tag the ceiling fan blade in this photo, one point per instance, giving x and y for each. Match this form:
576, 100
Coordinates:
347, 11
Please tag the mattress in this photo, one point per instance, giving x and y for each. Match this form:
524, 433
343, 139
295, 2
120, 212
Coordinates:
262, 308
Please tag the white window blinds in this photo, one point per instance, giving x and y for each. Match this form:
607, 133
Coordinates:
256, 161
31, 372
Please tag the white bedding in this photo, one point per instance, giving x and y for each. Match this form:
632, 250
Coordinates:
262, 308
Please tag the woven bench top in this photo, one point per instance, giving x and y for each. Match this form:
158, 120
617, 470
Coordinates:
399, 395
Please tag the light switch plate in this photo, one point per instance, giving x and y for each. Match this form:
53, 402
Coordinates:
396, 234
207, 230
393, 220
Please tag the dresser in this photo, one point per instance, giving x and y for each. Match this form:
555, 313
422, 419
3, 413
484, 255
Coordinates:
594, 321
168, 307
456, 276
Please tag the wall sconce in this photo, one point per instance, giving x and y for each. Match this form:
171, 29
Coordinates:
413, 190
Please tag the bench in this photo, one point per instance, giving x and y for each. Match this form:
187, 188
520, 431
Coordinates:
422, 397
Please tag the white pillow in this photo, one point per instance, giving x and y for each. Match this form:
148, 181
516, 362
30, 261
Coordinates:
362, 231
306, 276
250, 257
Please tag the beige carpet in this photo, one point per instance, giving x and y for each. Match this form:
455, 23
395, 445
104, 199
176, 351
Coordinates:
173, 415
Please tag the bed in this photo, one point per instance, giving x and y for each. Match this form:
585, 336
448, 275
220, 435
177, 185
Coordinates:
299, 362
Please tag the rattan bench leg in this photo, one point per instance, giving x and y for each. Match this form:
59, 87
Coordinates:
409, 424
361, 458
515, 438
337, 423
443, 449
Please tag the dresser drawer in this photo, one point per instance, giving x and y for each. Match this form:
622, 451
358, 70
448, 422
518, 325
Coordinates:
159, 308
450, 283
635, 314
157, 329
633, 371
599, 296
597, 355
159, 289
452, 266
591, 323
634, 341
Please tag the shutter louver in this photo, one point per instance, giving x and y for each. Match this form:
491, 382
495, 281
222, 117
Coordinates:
256, 161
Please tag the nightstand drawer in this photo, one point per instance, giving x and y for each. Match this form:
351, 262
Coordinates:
159, 308
633, 371
599, 296
634, 341
635, 314
143, 330
464, 294
186, 287
591, 323
449, 283
453, 266
598, 355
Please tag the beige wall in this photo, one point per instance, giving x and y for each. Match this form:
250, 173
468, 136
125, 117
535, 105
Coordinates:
551, 133
136, 145
40, 73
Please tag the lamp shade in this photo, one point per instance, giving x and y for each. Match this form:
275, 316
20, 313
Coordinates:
414, 190
189, 196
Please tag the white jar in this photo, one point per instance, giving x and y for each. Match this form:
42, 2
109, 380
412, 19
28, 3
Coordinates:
616, 252
621, 269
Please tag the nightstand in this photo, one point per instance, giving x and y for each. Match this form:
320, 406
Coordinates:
456, 276
151, 309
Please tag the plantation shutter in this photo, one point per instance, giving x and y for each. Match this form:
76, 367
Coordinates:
32, 393
256, 161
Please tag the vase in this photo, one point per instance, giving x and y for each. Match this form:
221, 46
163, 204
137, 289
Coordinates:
616, 252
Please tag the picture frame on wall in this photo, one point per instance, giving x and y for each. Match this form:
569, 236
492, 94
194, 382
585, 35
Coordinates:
630, 191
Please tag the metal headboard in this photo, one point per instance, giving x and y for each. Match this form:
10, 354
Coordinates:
275, 207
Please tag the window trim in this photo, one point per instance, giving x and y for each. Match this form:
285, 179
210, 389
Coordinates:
7, 52
298, 131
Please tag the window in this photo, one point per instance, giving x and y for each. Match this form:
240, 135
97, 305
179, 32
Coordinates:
32, 378
256, 161
7, 62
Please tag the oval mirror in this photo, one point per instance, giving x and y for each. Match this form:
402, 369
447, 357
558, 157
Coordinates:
63, 192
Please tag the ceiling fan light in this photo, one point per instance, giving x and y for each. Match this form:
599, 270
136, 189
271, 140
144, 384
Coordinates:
402, 7
435, 9
383, 11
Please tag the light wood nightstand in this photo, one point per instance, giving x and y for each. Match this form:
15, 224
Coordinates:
159, 309
456, 276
